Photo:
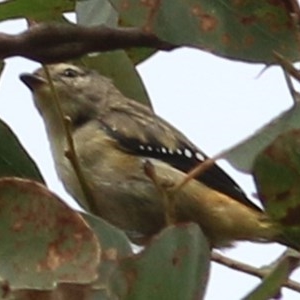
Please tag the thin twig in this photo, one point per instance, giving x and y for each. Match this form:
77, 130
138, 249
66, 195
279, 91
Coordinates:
199, 169
241, 267
294, 10
288, 71
288, 66
70, 151
162, 189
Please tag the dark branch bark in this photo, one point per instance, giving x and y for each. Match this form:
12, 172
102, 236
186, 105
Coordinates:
49, 43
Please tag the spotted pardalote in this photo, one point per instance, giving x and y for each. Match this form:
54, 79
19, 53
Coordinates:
115, 139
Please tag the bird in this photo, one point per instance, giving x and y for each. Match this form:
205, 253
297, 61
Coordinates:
132, 161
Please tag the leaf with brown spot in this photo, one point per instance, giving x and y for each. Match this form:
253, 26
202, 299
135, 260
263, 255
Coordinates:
253, 29
277, 177
174, 266
115, 64
43, 241
111, 283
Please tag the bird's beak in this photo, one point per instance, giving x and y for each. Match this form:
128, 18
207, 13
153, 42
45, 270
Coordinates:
32, 81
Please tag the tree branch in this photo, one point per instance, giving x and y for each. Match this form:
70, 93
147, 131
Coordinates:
260, 273
55, 42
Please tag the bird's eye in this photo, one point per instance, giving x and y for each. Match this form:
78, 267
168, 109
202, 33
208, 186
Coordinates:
70, 73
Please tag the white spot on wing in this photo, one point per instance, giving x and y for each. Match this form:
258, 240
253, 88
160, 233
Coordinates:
149, 148
188, 153
141, 147
179, 151
163, 150
200, 156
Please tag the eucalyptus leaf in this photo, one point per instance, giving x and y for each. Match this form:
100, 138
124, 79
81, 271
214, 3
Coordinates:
245, 30
174, 266
14, 160
43, 241
35, 9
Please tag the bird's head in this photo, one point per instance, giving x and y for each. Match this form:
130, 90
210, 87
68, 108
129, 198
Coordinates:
78, 90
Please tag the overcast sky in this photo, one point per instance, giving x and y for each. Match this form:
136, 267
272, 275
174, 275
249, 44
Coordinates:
214, 101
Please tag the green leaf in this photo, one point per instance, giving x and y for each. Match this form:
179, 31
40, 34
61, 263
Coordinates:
244, 30
43, 241
14, 160
96, 12
243, 155
115, 64
109, 236
277, 177
111, 283
270, 286
138, 55
37, 10
174, 266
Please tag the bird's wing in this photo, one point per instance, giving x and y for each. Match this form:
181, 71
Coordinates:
139, 131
